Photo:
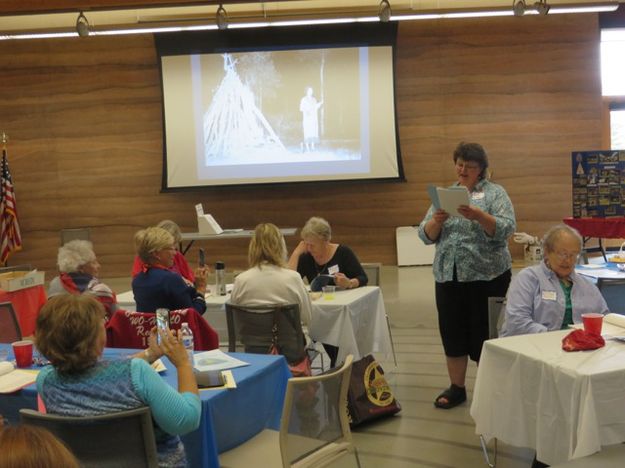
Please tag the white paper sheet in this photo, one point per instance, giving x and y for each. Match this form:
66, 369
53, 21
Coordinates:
216, 360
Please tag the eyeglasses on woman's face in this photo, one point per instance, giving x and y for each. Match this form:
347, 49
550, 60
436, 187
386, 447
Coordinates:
469, 166
563, 256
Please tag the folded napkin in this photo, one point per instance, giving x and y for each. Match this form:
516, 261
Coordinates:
579, 340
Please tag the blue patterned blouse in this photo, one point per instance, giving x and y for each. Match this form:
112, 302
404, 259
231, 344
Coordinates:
465, 244
120, 385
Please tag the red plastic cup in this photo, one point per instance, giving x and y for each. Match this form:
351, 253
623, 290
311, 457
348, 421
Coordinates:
23, 351
592, 323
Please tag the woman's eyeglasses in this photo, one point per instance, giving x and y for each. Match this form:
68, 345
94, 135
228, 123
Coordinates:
573, 256
467, 166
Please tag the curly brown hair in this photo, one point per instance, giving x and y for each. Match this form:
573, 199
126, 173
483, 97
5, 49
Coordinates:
67, 333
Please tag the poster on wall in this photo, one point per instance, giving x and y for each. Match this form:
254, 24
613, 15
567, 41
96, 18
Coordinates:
598, 183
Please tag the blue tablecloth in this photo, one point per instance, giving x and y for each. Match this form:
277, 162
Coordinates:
229, 417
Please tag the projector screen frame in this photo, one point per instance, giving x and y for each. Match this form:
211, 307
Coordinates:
279, 39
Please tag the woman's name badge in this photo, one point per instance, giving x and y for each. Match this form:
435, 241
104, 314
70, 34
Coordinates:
549, 295
477, 195
333, 270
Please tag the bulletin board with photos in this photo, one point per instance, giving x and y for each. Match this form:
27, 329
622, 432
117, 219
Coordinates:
598, 183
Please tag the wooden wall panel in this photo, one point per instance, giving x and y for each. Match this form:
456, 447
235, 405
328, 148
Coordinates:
84, 117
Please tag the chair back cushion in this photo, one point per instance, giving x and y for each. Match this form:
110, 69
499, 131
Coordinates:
308, 428
254, 327
129, 329
123, 439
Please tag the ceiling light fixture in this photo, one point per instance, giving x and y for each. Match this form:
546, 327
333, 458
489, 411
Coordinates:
542, 7
518, 7
222, 21
82, 25
385, 12
221, 17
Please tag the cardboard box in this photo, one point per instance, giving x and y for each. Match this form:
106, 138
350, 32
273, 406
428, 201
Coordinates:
16, 280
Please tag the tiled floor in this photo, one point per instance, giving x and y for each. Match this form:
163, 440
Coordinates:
421, 435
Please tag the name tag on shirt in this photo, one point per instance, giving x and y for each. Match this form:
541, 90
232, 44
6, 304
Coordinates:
333, 270
549, 295
477, 195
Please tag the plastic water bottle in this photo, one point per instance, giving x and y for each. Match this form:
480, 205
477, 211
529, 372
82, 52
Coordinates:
187, 340
220, 279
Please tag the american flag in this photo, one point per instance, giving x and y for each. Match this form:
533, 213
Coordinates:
10, 238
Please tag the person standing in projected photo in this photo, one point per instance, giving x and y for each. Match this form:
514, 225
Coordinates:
309, 106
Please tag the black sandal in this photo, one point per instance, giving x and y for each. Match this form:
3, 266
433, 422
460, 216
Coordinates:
454, 395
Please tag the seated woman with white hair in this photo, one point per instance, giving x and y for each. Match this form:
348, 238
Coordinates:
551, 295
79, 268
315, 255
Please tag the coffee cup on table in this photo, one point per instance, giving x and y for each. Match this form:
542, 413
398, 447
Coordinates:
592, 323
23, 352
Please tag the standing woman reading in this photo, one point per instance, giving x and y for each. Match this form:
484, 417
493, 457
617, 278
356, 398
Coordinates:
472, 263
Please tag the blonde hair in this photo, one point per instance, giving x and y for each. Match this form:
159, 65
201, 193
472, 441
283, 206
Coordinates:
75, 254
68, 328
150, 240
27, 446
267, 246
171, 228
317, 227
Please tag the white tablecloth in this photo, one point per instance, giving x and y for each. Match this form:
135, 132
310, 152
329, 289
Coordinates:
355, 321
531, 393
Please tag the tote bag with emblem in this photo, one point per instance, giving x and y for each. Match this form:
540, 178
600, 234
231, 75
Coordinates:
369, 396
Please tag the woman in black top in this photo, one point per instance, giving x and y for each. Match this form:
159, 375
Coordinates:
316, 255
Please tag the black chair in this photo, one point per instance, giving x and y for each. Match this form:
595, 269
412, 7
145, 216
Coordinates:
121, 439
68, 235
9, 326
253, 326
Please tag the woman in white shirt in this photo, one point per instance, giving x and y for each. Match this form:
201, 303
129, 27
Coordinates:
269, 280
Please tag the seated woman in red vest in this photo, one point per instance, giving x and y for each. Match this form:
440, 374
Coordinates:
79, 268
156, 286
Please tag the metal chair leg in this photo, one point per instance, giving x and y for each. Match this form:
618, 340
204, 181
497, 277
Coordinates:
357, 457
390, 333
485, 451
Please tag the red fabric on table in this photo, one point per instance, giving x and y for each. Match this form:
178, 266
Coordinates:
129, 329
26, 303
579, 340
606, 228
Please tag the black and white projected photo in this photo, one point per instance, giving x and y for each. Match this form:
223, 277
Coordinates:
279, 116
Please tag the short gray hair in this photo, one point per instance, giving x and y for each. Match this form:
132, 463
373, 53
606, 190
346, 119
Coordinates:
75, 254
317, 227
554, 234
